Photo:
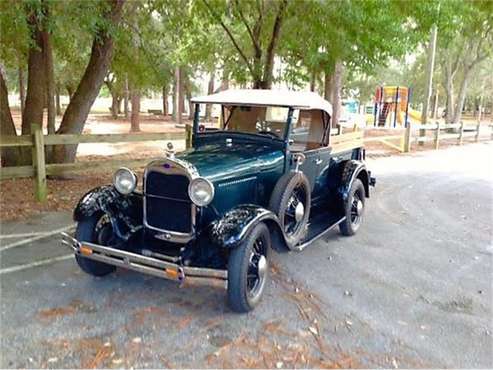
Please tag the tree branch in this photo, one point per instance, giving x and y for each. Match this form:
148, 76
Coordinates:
249, 29
273, 41
231, 37
456, 63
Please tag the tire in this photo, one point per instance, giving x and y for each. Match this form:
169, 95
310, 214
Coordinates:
94, 229
245, 294
281, 201
353, 212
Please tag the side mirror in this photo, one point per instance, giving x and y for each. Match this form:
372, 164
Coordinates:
170, 150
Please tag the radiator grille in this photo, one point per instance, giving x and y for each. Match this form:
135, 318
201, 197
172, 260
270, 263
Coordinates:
168, 206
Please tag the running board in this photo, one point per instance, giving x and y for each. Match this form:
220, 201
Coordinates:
155, 266
318, 236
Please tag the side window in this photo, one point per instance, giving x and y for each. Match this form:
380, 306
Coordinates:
308, 131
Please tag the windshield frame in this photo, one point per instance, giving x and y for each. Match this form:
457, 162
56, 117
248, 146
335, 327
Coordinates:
284, 138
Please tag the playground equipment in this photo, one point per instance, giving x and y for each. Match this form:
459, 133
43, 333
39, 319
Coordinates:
392, 106
350, 115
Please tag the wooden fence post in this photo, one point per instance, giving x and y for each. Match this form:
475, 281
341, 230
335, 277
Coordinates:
437, 135
38, 154
407, 139
422, 133
188, 136
461, 132
478, 126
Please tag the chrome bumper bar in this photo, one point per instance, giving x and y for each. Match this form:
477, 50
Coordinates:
159, 267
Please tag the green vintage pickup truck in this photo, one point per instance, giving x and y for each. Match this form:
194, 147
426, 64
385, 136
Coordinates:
270, 175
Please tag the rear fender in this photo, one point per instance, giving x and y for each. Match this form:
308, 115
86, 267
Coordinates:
229, 231
354, 169
124, 211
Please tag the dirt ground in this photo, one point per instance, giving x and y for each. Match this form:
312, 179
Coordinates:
411, 290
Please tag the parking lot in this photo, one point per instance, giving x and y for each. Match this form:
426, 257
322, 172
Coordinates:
412, 289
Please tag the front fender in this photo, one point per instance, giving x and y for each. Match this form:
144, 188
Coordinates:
354, 169
124, 211
233, 227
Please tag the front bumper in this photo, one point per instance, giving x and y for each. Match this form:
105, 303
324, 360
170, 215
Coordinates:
155, 266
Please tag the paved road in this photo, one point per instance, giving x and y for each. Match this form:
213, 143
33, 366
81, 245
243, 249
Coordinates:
412, 289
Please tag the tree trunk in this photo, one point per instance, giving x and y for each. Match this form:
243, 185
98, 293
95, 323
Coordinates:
165, 100
313, 78
434, 106
125, 98
9, 156
76, 114
187, 86
429, 74
114, 105
135, 116
190, 104
271, 49
50, 77
22, 89
210, 90
58, 106
35, 96
224, 80
70, 92
449, 89
183, 92
462, 96
336, 96
119, 100
179, 95
173, 101
328, 87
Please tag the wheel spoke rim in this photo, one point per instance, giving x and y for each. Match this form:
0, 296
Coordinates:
255, 279
355, 214
291, 226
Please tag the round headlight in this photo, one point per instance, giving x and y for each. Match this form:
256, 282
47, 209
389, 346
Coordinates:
124, 180
201, 191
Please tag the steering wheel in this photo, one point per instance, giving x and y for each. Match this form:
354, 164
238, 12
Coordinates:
268, 133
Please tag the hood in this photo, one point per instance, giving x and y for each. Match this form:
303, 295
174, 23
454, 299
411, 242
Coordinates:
218, 161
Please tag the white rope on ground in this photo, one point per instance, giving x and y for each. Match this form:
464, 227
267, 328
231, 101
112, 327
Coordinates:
40, 235
35, 264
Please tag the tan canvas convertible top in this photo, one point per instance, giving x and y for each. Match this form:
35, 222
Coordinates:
277, 98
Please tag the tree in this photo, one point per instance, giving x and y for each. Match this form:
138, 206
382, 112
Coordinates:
80, 104
462, 49
35, 95
262, 22
135, 116
7, 127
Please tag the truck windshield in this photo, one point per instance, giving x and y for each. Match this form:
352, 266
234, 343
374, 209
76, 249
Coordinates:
255, 120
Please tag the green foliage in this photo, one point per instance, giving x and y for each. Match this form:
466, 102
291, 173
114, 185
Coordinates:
155, 36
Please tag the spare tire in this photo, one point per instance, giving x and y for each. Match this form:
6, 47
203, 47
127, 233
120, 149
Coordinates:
290, 201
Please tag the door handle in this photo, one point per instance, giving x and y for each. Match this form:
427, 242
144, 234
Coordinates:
318, 161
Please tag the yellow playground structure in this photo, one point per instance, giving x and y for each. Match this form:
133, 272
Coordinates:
391, 107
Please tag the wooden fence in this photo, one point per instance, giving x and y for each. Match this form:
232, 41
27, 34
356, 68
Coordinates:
39, 169
416, 134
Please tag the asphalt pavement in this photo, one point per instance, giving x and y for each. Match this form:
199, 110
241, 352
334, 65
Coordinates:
412, 289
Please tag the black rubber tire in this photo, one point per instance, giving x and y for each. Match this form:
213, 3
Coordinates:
85, 232
238, 263
279, 201
347, 227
